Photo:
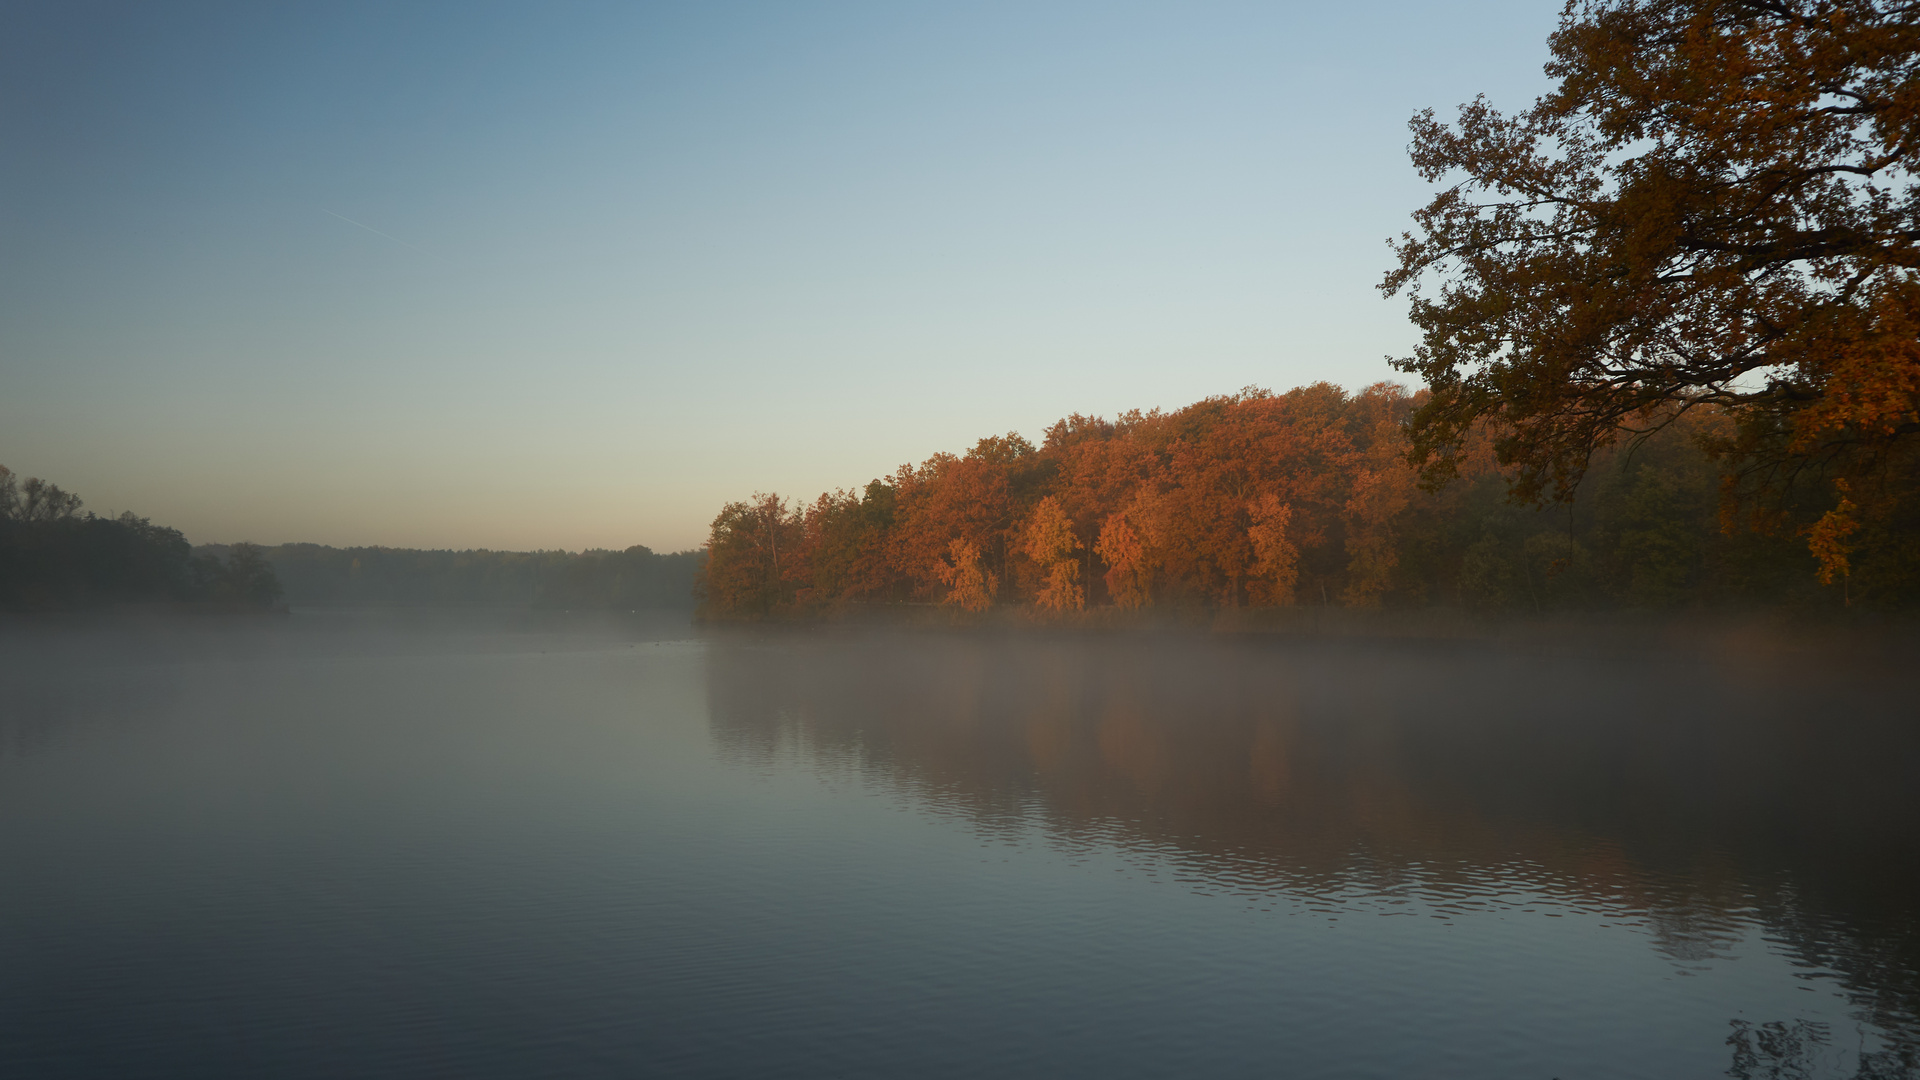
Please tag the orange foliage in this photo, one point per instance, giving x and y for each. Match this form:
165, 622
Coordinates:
1229, 501
967, 586
1380, 489
1276, 560
1827, 538
1129, 576
1050, 543
1269, 500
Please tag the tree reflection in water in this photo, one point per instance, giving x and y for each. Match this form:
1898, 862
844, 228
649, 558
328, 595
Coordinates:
1697, 791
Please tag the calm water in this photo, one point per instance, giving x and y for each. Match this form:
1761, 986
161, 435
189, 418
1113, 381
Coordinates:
357, 845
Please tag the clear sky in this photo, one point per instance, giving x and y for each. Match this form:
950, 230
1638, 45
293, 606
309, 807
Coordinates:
573, 275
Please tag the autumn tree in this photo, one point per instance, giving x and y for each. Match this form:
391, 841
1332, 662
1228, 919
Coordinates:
972, 497
1050, 542
1123, 547
1276, 559
1379, 487
754, 559
843, 543
1098, 466
1714, 208
1208, 476
832, 529
969, 587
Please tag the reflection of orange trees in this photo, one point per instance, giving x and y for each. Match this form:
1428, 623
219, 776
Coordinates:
1267, 768
1269, 500
1436, 774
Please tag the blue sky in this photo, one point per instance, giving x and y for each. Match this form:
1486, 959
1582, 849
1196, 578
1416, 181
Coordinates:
572, 275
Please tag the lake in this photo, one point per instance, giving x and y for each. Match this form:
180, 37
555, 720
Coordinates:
441, 844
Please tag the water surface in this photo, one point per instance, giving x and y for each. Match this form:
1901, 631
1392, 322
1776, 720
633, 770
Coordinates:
387, 845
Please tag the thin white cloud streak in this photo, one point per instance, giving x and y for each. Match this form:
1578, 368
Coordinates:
376, 232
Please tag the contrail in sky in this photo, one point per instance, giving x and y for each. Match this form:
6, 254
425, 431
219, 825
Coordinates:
375, 231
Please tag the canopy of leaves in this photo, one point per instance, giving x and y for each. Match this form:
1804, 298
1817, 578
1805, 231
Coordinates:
1716, 207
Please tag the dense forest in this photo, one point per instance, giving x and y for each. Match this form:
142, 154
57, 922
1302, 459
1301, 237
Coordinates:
1306, 497
54, 556
631, 579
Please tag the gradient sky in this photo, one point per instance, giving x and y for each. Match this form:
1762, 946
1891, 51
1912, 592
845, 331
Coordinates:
565, 276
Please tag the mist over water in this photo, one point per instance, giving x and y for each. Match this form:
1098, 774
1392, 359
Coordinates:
505, 845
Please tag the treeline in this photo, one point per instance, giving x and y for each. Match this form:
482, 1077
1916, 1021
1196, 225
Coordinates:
1305, 497
632, 579
54, 556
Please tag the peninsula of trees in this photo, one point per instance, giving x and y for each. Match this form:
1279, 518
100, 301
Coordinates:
1261, 499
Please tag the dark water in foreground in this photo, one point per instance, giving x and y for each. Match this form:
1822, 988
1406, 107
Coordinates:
349, 845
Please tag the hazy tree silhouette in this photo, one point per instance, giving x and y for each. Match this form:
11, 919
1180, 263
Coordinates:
52, 555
